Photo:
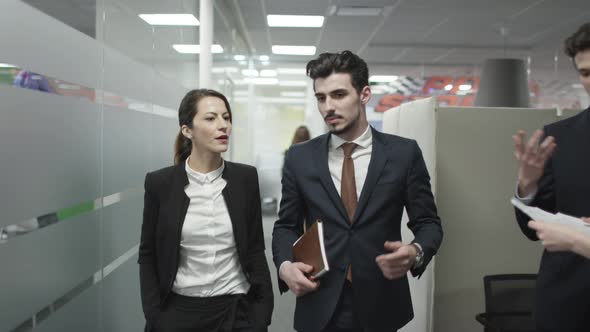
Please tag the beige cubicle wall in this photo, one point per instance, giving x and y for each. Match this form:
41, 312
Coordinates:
476, 174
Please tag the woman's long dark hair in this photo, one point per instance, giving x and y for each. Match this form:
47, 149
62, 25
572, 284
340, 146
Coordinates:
186, 113
301, 135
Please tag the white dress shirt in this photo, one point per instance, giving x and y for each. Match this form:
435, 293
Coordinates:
208, 261
361, 157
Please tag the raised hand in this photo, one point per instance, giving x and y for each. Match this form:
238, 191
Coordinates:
532, 158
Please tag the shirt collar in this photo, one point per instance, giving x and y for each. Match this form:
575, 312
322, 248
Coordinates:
363, 141
204, 177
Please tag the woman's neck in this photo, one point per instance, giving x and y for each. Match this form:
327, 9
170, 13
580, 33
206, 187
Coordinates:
204, 162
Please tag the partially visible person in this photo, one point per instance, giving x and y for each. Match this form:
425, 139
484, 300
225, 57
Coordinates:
201, 256
554, 176
556, 237
29, 80
301, 135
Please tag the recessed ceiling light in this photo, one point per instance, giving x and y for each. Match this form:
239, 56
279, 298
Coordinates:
292, 83
292, 94
262, 80
239, 57
465, 87
577, 86
241, 93
291, 71
250, 72
264, 58
170, 19
268, 73
293, 50
383, 78
221, 70
195, 49
448, 87
265, 63
359, 11
295, 21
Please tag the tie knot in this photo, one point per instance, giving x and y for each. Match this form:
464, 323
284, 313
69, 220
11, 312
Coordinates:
348, 148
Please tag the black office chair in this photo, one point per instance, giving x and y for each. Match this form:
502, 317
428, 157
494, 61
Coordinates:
510, 300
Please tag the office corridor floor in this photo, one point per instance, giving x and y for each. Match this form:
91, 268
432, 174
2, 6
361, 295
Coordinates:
282, 317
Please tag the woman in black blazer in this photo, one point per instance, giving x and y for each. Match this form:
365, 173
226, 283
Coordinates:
201, 256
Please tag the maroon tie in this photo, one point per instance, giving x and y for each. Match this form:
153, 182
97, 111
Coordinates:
348, 185
348, 188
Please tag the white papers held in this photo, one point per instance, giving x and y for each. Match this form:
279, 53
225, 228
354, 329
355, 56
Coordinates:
558, 218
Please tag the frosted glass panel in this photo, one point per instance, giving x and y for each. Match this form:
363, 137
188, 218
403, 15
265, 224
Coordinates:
74, 159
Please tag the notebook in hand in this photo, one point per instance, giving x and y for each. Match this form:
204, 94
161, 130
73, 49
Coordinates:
309, 249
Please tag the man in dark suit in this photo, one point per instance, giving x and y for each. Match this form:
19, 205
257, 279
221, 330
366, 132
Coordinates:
358, 182
558, 180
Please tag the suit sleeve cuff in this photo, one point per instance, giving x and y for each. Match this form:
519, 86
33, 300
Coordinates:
527, 200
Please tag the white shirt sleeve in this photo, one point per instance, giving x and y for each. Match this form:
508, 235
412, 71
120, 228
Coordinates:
527, 199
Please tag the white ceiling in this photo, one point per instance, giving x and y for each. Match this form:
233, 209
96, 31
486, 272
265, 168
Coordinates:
411, 37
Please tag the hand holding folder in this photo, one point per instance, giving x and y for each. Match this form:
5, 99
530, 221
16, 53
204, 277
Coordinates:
310, 249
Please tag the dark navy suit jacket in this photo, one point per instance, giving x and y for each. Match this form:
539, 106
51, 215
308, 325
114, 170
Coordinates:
397, 177
563, 282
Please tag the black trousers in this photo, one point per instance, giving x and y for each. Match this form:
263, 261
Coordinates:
225, 313
345, 318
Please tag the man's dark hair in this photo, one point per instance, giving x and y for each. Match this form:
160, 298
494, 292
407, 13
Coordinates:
345, 62
579, 41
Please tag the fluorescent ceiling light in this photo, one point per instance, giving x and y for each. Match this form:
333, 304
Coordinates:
265, 63
221, 70
170, 19
575, 85
292, 83
264, 58
359, 11
448, 87
195, 49
381, 89
250, 72
5, 65
292, 94
262, 80
465, 87
243, 62
293, 50
295, 21
239, 57
243, 93
273, 100
383, 78
268, 73
291, 71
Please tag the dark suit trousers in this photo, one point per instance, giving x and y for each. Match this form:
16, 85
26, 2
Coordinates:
345, 318
226, 313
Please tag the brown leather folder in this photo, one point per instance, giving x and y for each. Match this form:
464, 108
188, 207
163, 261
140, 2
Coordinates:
309, 249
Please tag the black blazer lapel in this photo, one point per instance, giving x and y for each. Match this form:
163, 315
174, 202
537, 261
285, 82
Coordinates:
321, 162
378, 161
233, 206
178, 198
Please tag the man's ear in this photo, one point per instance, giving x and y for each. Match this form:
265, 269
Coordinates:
365, 95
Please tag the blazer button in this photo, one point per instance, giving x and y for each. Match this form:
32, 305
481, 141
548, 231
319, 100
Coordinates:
343, 268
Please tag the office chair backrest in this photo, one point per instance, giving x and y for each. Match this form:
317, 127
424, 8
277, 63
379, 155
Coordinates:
510, 293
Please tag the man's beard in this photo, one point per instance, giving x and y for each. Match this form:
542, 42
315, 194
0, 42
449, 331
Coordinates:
342, 130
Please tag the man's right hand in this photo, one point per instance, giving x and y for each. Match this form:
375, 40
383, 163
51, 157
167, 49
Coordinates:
532, 159
293, 274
